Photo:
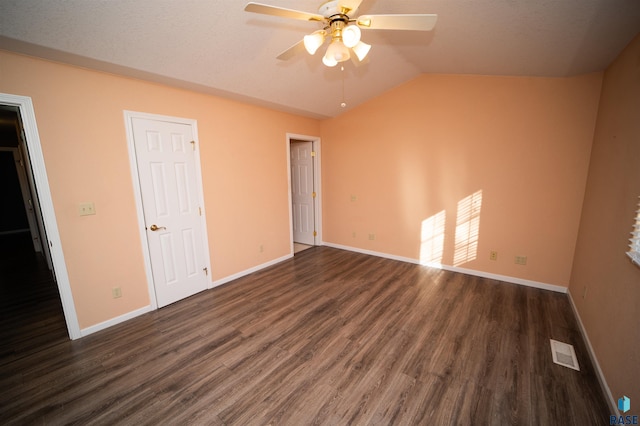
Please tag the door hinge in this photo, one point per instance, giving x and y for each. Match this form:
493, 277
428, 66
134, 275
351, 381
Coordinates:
315, 234
206, 271
193, 144
313, 194
313, 153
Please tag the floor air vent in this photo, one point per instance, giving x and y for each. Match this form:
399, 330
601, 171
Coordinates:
563, 354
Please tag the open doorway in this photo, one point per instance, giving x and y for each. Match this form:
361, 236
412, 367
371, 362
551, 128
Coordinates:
303, 153
37, 304
31, 312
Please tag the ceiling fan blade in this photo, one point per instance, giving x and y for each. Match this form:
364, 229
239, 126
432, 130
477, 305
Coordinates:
349, 6
292, 51
416, 22
266, 9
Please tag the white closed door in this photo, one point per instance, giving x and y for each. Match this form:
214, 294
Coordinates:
165, 156
302, 192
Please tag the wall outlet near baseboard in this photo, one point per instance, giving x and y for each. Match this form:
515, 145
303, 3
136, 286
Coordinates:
493, 255
116, 292
521, 260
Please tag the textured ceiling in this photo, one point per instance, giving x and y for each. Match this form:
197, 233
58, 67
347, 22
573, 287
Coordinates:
213, 46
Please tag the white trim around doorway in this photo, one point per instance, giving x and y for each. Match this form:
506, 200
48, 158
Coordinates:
34, 151
128, 118
317, 181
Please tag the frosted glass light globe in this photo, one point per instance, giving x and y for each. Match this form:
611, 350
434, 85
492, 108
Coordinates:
351, 36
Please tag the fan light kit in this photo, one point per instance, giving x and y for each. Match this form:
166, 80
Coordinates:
343, 31
345, 38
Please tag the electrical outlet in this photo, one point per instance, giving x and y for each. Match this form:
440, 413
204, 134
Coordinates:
87, 209
521, 260
116, 292
584, 292
261, 248
372, 237
353, 234
493, 255
354, 198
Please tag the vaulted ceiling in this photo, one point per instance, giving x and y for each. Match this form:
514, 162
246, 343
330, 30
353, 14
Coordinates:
214, 46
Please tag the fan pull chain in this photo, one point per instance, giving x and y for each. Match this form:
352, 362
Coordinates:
343, 104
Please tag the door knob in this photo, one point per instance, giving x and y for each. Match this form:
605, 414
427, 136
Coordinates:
156, 227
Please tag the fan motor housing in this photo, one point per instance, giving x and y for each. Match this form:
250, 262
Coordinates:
330, 9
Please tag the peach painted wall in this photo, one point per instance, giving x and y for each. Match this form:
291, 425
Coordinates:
521, 144
81, 124
610, 309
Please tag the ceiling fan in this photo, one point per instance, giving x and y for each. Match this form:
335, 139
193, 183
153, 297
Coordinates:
341, 29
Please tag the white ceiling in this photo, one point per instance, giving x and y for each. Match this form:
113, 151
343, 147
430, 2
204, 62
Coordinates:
213, 46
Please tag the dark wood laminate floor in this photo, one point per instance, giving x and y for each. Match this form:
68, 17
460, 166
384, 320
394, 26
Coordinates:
328, 337
31, 316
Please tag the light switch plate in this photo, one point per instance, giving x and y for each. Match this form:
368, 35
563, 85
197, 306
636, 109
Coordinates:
87, 209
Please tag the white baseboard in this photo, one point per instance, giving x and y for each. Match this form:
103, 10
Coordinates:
241, 274
372, 253
130, 315
508, 279
113, 321
594, 360
505, 278
221, 281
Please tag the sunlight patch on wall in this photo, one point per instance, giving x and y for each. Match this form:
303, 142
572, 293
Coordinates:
432, 240
467, 228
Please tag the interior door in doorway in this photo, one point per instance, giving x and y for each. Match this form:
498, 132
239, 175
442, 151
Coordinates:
35, 201
12, 155
302, 192
165, 155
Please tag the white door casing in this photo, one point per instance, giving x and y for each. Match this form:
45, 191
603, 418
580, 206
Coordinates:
168, 173
302, 192
36, 157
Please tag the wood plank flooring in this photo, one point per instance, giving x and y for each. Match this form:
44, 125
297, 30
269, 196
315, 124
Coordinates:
328, 337
31, 315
